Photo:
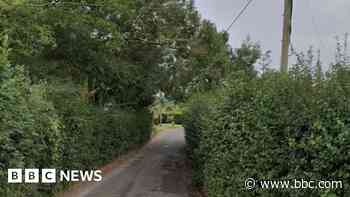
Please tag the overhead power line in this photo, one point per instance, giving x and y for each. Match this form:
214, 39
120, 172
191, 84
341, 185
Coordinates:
65, 3
239, 15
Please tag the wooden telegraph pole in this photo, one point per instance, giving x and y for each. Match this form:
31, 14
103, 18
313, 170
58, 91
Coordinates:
287, 30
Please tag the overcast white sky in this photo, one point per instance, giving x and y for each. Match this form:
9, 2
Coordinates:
315, 22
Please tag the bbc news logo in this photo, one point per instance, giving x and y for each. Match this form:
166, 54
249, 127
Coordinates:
52, 176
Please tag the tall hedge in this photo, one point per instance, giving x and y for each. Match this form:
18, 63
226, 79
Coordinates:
66, 133
29, 128
275, 127
49, 126
94, 135
196, 119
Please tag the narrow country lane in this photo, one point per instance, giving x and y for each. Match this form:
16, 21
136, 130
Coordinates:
157, 171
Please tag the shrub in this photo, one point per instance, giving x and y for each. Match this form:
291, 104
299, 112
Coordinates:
30, 130
50, 126
15, 122
196, 119
119, 130
95, 135
276, 127
29, 127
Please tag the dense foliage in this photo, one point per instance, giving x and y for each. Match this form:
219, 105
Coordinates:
273, 127
50, 126
77, 78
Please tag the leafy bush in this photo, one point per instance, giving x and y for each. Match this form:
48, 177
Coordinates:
95, 135
14, 121
119, 130
30, 129
276, 127
65, 134
51, 126
196, 118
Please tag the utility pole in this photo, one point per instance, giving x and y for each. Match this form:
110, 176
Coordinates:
287, 30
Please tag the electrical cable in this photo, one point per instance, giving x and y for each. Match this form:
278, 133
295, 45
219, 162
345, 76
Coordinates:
239, 15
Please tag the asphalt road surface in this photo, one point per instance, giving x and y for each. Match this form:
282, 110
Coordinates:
158, 170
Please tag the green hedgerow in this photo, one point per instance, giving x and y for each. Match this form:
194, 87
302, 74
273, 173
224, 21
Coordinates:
275, 127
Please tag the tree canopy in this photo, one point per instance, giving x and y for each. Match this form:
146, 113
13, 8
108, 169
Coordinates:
124, 51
